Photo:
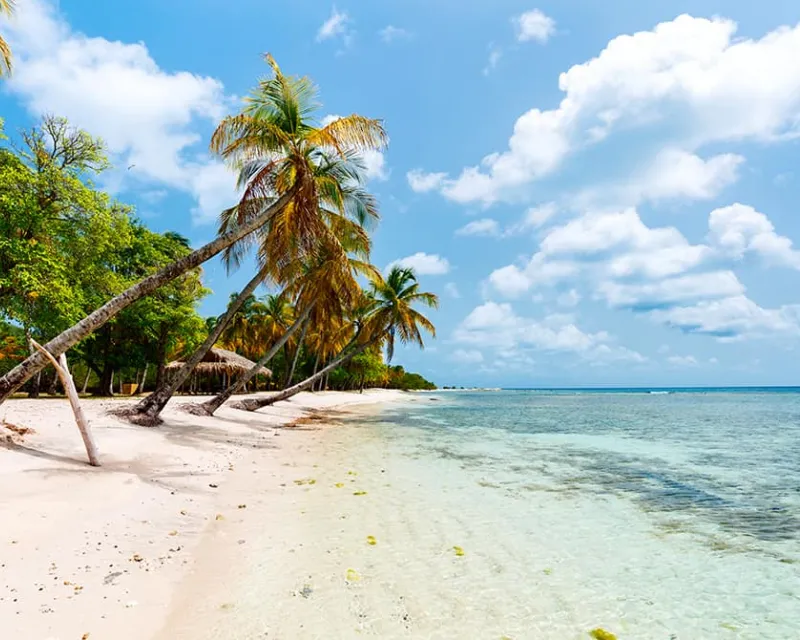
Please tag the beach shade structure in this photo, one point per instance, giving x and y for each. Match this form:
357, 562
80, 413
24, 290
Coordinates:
216, 369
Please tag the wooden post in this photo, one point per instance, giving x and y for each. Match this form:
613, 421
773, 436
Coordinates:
72, 393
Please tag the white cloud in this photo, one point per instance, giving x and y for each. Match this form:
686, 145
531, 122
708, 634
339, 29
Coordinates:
391, 33
670, 291
214, 186
423, 264
683, 361
375, 165
632, 248
451, 289
672, 174
535, 217
732, 318
495, 54
147, 116
467, 356
422, 182
512, 281
497, 326
534, 25
674, 79
335, 26
739, 229
679, 174
484, 227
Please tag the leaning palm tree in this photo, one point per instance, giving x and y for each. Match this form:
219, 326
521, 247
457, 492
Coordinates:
276, 147
323, 289
274, 143
386, 315
147, 411
7, 8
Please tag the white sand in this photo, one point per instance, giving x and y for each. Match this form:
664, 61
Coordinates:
110, 552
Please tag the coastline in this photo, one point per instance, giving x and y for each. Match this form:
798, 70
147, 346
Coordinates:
103, 552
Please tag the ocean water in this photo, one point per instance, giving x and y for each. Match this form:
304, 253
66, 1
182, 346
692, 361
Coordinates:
668, 515
518, 515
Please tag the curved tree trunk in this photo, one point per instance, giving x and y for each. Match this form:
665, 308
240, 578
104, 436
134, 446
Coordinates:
24, 371
258, 403
296, 357
316, 368
217, 401
149, 408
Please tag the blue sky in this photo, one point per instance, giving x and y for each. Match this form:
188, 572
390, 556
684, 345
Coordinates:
601, 193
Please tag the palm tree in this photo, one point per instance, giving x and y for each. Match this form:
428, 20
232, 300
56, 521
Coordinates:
394, 313
386, 315
278, 150
7, 8
324, 290
276, 147
244, 333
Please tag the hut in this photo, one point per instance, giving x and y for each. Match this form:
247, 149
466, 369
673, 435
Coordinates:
217, 369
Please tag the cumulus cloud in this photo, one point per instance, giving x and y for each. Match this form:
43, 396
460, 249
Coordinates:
149, 118
732, 318
422, 182
670, 291
674, 77
423, 264
673, 174
484, 227
534, 25
532, 219
657, 272
337, 25
739, 229
497, 326
495, 54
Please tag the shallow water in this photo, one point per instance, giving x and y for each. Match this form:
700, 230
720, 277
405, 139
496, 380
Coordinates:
524, 515
670, 515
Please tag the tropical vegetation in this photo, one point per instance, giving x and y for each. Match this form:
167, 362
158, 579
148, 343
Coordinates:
80, 272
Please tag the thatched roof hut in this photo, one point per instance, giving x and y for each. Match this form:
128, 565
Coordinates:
219, 361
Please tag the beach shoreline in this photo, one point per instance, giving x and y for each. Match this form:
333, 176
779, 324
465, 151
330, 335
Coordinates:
104, 552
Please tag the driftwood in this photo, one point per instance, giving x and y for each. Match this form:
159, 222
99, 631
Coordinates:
72, 393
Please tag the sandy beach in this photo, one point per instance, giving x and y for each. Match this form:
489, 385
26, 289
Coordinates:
129, 549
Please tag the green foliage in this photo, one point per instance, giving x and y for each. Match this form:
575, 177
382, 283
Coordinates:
12, 346
66, 248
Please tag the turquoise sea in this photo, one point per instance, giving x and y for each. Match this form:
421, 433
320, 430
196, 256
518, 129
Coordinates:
667, 514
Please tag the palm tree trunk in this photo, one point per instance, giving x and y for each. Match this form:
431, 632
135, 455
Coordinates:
144, 378
217, 401
151, 407
316, 367
257, 403
24, 371
297, 354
